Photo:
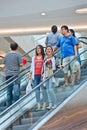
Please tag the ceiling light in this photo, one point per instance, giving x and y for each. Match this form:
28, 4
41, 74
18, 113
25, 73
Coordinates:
43, 14
81, 11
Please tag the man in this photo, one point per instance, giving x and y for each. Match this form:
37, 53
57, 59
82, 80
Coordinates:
52, 37
67, 43
12, 61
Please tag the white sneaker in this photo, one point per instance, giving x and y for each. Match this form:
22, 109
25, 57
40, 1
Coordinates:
50, 106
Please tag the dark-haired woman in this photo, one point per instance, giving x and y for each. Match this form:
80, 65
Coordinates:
36, 70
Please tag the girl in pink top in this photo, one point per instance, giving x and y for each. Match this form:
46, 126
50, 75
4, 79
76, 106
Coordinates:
37, 69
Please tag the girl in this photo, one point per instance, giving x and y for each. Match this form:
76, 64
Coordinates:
36, 70
49, 67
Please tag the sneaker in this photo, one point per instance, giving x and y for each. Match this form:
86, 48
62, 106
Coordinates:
50, 106
65, 85
38, 107
71, 85
44, 106
54, 106
77, 81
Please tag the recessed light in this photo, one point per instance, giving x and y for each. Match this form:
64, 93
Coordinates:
81, 11
43, 14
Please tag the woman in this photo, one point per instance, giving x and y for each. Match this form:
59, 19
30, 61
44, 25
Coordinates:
37, 70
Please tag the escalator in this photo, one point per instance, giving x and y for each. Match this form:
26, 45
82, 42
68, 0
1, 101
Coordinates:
22, 115
24, 108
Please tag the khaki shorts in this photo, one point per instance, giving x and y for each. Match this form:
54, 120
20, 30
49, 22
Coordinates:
72, 67
78, 70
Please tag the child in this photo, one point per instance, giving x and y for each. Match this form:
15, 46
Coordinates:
36, 70
49, 67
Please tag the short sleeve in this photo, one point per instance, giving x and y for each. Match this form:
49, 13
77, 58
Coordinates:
58, 43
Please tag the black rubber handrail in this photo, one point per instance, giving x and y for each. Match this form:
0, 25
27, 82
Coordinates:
82, 37
83, 42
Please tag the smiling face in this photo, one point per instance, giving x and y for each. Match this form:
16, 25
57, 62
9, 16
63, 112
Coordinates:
49, 51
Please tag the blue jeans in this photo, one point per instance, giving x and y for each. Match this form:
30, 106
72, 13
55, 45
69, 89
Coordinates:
13, 91
50, 91
37, 80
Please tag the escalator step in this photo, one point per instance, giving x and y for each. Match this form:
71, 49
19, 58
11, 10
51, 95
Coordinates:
21, 127
29, 120
38, 113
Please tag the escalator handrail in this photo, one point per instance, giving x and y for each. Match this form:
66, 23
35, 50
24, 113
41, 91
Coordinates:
20, 100
25, 55
22, 70
83, 42
82, 37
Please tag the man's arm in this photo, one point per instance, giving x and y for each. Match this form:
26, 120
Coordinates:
75, 49
79, 45
46, 44
55, 48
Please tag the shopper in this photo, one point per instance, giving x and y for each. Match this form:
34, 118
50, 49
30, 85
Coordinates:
52, 37
49, 68
13, 62
67, 43
37, 70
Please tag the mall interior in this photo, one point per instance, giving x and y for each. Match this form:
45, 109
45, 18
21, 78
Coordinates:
27, 23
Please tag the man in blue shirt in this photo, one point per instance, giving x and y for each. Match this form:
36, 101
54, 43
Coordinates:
67, 43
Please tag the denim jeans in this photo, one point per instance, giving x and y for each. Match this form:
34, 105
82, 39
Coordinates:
13, 91
37, 80
50, 91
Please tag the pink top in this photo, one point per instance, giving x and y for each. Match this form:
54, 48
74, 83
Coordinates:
38, 62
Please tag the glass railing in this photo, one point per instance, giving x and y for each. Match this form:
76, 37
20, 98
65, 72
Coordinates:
28, 101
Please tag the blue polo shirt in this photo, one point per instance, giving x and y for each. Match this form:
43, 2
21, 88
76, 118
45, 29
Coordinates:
67, 43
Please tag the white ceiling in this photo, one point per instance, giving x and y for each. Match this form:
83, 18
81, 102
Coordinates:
24, 15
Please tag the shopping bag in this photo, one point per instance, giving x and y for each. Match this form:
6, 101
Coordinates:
29, 86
